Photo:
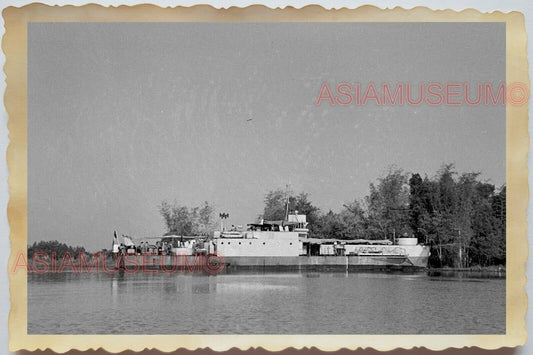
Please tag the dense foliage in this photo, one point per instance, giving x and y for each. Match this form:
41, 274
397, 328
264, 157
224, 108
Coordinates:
56, 247
459, 216
181, 220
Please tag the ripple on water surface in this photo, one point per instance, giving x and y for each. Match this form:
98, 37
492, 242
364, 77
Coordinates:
297, 303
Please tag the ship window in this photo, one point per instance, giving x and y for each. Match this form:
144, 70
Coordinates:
263, 243
239, 243
221, 242
250, 243
228, 243
291, 243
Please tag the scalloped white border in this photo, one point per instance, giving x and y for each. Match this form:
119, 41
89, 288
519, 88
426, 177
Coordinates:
524, 6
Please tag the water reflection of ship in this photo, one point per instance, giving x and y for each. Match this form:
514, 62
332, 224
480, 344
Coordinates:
191, 288
117, 285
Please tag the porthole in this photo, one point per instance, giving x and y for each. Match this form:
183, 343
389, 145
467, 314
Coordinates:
263, 243
239, 243
291, 243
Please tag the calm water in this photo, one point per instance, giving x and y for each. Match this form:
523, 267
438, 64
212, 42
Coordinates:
322, 303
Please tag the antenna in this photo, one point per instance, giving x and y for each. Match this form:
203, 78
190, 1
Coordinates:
287, 203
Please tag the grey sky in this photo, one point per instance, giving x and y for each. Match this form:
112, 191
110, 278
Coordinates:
122, 116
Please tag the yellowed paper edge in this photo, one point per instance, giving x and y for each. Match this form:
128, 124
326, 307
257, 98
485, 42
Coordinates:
14, 45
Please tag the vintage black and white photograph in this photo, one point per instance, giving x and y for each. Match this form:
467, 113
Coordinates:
267, 178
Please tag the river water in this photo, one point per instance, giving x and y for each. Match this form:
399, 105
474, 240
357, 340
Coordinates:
265, 303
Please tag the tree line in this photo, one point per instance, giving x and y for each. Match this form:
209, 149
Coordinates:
60, 249
459, 216
185, 221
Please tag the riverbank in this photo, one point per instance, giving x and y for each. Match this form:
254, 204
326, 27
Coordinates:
475, 271
493, 268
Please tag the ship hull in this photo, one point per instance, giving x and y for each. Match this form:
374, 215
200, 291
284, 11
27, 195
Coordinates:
219, 264
326, 263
